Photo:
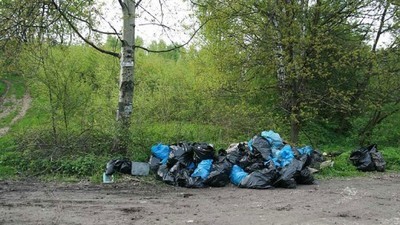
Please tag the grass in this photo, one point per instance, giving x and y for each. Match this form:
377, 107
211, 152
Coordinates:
7, 120
17, 87
3, 88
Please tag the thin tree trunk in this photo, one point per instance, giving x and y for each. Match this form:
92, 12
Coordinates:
126, 84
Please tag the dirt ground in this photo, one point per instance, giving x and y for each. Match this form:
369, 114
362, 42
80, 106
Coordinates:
366, 200
11, 104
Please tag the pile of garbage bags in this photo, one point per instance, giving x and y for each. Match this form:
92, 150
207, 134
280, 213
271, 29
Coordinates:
261, 163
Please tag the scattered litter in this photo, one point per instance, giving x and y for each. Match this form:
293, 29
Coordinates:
119, 165
140, 169
327, 163
108, 179
126, 166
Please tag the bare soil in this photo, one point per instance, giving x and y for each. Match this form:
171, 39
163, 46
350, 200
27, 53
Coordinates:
11, 104
366, 200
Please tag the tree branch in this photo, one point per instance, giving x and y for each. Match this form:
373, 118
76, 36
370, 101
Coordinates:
175, 46
138, 3
80, 35
381, 24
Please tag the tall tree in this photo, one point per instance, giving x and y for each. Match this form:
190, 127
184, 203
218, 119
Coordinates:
382, 80
316, 48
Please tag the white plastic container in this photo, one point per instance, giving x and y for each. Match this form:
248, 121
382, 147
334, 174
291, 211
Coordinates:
140, 169
108, 179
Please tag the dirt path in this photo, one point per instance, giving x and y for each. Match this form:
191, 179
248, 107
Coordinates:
8, 85
16, 104
367, 200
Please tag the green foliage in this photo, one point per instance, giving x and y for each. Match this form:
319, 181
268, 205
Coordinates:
6, 120
18, 85
342, 167
392, 158
9, 158
3, 88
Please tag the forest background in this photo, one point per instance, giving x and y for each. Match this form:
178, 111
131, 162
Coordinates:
316, 72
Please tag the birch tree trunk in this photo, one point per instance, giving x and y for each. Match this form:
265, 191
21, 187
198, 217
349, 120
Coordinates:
126, 83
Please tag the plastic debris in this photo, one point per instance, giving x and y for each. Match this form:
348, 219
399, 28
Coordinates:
266, 161
368, 159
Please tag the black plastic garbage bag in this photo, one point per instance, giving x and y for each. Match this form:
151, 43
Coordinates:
154, 163
304, 177
202, 151
261, 179
236, 153
182, 178
261, 146
316, 159
219, 175
251, 163
288, 173
368, 159
166, 175
195, 182
119, 165
378, 160
182, 153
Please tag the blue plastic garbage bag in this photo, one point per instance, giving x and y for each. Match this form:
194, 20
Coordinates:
274, 138
305, 150
237, 175
203, 169
161, 151
283, 157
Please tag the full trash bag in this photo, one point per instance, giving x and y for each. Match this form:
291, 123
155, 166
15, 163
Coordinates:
287, 174
166, 175
378, 160
220, 171
368, 159
202, 151
273, 138
184, 179
119, 165
260, 145
251, 163
154, 163
203, 169
182, 153
306, 150
237, 175
236, 152
304, 177
316, 159
260, 179
160, 151
283, 157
